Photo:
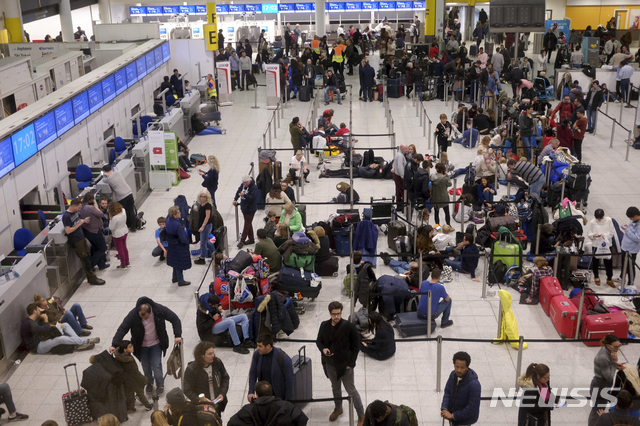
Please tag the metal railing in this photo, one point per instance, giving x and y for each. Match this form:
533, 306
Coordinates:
274, 123
615, 122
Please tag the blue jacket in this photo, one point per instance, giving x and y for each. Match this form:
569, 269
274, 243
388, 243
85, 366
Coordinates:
366, 236
631, 240
281, 378
465, 407
178, 255
470, 263
481, 197
249, 202
390, 286
467, 135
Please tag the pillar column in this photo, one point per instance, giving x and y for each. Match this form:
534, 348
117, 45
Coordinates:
440, 11
320, 13
104, 7
66, 24
13, 21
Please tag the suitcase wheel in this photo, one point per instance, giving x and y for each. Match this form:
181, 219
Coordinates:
563, 336
335, 274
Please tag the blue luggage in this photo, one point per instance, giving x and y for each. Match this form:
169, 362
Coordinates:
409, 325
341, 237
290, 281
394, 90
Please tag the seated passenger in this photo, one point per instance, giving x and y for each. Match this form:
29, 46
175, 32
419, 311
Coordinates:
270, 226
383, 345
324, 253
40, 337
466, 264
438, 306
56, 313
268, 250
209, 321
201, 127
291, 217
344, 197
281, 235
133, 380
445, 240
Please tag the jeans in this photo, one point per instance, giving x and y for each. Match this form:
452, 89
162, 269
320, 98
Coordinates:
398, 266
536, 187
624, 88
6, 398
529, 142
294, 174
368, 93
69, 337
419, 92
210, 131
151, 360
335, 90
347, 380
455, 264
121, 246
178, 275
243, 78
157, 252
247, 230
230, 324
488, 197
82, 251
75, 318
592, 118
128, 204
206, 247
99, 245
444, 309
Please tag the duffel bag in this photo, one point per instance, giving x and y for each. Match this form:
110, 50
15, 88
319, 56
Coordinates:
580, 169
507, 221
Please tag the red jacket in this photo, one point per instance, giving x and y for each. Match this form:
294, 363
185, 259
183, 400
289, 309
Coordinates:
565, 110
433, 52
565, 136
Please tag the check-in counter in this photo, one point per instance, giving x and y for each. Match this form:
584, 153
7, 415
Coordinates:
127, 167
607, 77
142, 167
190, 104
173, 120
17, 289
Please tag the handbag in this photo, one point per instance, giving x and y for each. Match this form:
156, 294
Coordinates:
603, 249
242, 293
447, 274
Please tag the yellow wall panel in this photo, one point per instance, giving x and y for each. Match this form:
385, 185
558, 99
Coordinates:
583, 16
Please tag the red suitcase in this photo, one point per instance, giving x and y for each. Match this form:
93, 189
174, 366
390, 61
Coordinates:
564, 316
598, 326
549, 288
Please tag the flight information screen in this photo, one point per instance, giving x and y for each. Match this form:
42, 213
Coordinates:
95, 97
24, 144
64, 118
6, 157
45, 129
80, 107
121, 81
108, 88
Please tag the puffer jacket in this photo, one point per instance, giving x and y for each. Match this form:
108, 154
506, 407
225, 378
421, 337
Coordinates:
277, 314
290, 246
204, 320
132, 378
531, 394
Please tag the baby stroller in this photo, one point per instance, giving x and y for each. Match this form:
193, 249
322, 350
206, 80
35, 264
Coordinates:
544, 90
337, 148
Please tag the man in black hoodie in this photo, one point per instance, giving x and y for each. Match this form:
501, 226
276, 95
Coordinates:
268, 410
339, 342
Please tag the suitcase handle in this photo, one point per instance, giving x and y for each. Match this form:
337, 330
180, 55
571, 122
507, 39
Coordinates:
67, 377
302, 356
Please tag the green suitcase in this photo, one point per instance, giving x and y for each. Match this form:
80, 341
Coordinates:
507, 248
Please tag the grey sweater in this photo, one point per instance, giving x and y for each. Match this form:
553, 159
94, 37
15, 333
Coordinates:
604, 367
118, 185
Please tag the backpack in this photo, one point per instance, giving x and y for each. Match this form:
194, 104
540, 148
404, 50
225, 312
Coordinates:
298, 261
524, 211
207, 414
346, 282
407, 411
199, 159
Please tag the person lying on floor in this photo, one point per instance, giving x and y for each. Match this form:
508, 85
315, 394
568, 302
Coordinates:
201, 127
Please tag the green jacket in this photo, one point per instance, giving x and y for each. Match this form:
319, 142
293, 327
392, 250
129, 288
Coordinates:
295, 223
350, 51
295, 132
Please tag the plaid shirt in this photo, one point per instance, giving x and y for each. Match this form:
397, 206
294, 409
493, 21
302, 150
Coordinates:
536, 275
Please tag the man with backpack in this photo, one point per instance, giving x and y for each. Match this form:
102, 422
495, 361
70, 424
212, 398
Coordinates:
621, 416
271, 365
384, 413
267, 409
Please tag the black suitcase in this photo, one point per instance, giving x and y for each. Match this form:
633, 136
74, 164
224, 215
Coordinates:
473, 50
255, 68
395, 229
404, 245
409, 325
302, 376
328, 268
394, 89
75, 404
291, 282
277, 171
304, 93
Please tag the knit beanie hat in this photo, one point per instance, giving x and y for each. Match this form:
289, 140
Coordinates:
176, 397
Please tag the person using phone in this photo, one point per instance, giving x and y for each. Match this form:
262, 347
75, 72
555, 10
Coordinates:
537, 400
605, 365
206, 375
631, 241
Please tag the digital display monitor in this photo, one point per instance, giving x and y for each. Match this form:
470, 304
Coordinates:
132, 74
402, 5
170, 10
108, 88
370, 5
121, 81
387, 5
95, 98
201, 10
166, 52
353, 6
6, 157
80, 107
163, 31
304, 7
283, 7
157, 54
64, 118
222, 8
24, 144
419, 5
191, 10
150, 62
141, 67
270, 8
253, 8
137, 11
236, 8
45, 129
154, 10
335, 7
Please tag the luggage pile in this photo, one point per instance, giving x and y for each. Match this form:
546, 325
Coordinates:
240, 280
297, 275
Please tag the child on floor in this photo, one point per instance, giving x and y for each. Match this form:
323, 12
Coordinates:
133, 381
161, 249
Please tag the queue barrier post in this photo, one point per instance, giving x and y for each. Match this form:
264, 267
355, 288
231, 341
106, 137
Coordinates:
430, 134
255, 98
226, 243
438, 361
269, 131
580, 307
519, 362
264, 140
275, 127
613, 131
420, 277
538, 238
629, 142
351, 417
499, 320
237, 223
625, 267
461, 214
555, 267
484, 276
429, 313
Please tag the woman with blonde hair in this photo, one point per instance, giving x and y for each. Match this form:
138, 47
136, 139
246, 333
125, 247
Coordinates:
291, 217
158, 419
119, 231
205, 226
108, 420
210, 177
277, 198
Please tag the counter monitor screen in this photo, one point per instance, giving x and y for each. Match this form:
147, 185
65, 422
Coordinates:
157, 54
190, 10
154, 10
6, 157
80, 107
201, 10
64, 118
45, 129
95, 97
150, 61
170, 10
132, 74
166, 52
24, 144
121, 81
141, 67
108, 88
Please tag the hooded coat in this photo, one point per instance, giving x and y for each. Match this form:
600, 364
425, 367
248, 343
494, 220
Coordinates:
249, 202
132, 378
269, 411
509, 324
463, 402
531, 396
204, 320
132, 322
196, 381
103, 381
178, 255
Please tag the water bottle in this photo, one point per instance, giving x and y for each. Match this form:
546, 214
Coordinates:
457, 276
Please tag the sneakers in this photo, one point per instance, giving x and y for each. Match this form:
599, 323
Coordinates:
250, 344
184, 283
85, 347
240, 350
18, 416
386, 257
85, 333
106, 265
148, 407
240, 245
336, 413
224, 130
200, 261
447, 324
94, 340
148, 389
87, 327
159, 390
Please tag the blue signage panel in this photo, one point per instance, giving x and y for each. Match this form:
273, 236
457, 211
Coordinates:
121, 81
108, 88
387, 5
132, 74
45, 129
419, 5
236, 8
201, 10
402, 5
154, 10
95, 98
335, 7
80, 107
141, 67
64, 118
370, 5
138, 11
6, 157
150, 62
270, 8
353, 6
190, 10
285, 7
305, 7
253, 8
170, 10
24, 144
166, 52
222, 8
157, 54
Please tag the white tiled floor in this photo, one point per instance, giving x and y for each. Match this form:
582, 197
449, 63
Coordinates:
410, 376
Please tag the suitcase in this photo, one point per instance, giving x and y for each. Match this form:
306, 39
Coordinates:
598, 326
507, 252
341, 238
507, 221
328, 268
255, 68
403, 245
302, 376
291, 282
395, 229
518, 233
473, 50
489, 48
564, 316
277, 171
409, 325
394, 90
75, 404
549, 288
304, 93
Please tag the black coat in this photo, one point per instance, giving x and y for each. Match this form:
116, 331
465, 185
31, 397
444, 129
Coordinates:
550, 42
132, 378
368, 76
196, 382
210, 180
296, 76
383, 345
344, 344
249, 202
515, 75
178, 255
421, 185
597, 100
541, 412
132, 322
269, 411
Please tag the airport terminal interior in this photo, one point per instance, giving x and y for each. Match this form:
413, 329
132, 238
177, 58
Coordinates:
42, 179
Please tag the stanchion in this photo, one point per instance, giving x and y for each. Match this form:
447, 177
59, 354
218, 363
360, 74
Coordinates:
625, 268
237, 223
264, 140
629, 142
406, 204
352, 300
269, 131
420, 277
508, 189
446, 94
519, 362
484, 276
255, 98
430, 134
461, 214
351, 417
226, 244
613, 131
537, 240
499, 320
619, 119
564, 183
414, 99
429, 313
577, 336
297, 189
555, 266
275, 127
302, 178
438, 363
